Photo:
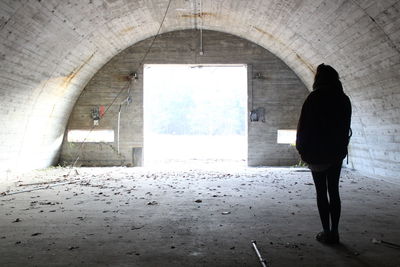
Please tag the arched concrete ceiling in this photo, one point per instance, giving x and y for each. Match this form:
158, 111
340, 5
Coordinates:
49, 50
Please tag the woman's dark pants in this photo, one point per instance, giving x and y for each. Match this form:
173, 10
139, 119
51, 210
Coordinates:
327, 183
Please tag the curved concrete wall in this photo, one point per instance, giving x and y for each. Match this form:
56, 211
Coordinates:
49, 50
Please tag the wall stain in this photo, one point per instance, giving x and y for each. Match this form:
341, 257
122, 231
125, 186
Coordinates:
67, 80
122, 78
126, 30
198, 15
272, 37
308, 65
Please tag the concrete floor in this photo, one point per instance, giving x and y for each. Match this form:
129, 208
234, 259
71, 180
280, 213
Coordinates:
188, 217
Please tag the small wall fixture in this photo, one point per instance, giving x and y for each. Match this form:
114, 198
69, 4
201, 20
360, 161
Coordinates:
257, 114
96, 116
259, 76
133, 76
97, 113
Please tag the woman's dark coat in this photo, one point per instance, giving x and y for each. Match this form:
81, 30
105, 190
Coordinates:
324, 125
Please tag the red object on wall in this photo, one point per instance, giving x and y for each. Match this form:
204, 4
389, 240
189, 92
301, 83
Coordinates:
102, 110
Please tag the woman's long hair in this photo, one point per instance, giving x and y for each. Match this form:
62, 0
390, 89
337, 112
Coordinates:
327, 78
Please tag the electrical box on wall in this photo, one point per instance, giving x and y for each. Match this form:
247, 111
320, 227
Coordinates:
97, 113
257, 114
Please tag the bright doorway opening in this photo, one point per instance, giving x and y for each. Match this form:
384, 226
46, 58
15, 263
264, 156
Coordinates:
195, 114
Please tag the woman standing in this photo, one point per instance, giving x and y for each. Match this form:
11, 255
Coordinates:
322, 140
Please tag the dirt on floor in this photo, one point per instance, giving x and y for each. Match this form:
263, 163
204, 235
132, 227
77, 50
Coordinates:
187, 216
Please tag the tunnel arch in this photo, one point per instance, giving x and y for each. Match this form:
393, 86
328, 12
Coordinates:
51, 49
277, 90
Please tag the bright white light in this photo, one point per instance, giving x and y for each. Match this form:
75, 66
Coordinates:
90, 136
286, 137
195, 112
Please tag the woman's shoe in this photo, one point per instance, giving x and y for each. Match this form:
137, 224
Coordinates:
334, 238
322, 237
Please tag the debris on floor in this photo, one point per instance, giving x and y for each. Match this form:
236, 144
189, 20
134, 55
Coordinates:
376, 241
104, 218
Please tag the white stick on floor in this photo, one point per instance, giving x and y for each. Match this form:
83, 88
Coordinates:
262, 260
